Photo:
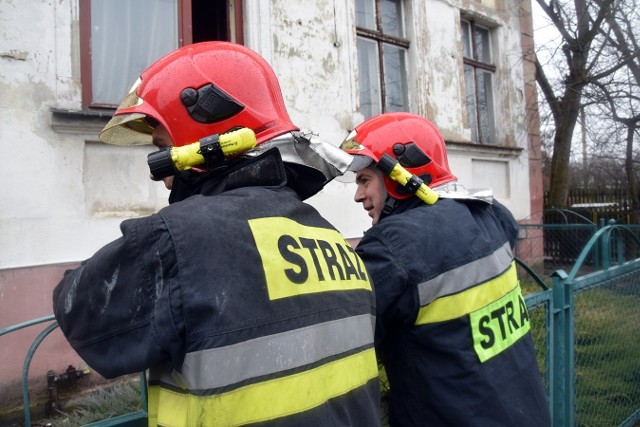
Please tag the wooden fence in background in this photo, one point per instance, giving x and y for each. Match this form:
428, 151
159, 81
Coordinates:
594, 204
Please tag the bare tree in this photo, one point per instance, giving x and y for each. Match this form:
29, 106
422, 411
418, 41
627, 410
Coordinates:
579, 24
620, 94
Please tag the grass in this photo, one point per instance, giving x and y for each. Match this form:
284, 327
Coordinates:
607, 349
101, 404
607, 358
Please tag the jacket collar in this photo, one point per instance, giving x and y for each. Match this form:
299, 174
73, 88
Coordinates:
266, 170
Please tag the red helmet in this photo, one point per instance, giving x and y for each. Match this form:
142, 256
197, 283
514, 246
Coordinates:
411, 139
200, 90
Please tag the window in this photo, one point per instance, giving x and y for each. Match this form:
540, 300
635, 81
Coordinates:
382, 56
478, 79
121, 38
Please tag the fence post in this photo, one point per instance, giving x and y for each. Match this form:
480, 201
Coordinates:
561, 393
603, 248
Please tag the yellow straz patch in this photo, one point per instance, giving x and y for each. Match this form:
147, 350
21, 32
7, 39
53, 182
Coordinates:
298, 259
499, 325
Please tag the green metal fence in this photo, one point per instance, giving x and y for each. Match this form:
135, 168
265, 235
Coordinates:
133, 419
585, 325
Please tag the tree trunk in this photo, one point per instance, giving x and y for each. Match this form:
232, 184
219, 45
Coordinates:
568, 114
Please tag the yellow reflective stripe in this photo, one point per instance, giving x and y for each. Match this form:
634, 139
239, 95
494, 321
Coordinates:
499, 325
454, 306
270, 399
173, 409
152, 406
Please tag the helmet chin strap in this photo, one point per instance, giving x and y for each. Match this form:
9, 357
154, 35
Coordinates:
389, 205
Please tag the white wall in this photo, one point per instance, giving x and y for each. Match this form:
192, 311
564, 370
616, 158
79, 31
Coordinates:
64, 194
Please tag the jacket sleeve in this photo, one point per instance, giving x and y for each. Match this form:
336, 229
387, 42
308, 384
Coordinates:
389, 280
114, 308
508, 222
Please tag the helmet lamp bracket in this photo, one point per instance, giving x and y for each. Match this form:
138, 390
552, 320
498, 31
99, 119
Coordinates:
410, 155
209, 104
211, 150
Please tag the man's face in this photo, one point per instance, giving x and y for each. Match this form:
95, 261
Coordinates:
371, 192
161, 139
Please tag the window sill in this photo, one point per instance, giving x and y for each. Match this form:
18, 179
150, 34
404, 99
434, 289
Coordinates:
490, 150
80, 122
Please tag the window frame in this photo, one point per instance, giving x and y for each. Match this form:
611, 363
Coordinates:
381, 38
485, 67
235, 34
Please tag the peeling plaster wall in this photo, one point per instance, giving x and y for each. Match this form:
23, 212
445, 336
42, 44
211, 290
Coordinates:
312, 51
435, 30
315, 59
51, 209
55, 184
436, 79
67, 194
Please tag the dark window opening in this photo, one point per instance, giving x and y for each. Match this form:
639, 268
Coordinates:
209, 20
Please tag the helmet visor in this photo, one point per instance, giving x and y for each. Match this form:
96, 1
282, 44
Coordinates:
128, 128
361, 155
350, 144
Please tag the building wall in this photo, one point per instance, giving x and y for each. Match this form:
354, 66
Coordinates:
64, 193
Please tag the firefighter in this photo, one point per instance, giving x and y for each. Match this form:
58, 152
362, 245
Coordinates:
452, 327
243, 302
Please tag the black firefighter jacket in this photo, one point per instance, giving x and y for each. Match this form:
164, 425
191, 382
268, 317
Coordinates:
246, 304
452, 326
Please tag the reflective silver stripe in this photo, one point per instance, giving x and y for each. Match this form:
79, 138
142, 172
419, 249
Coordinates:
222, 366
466, 276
